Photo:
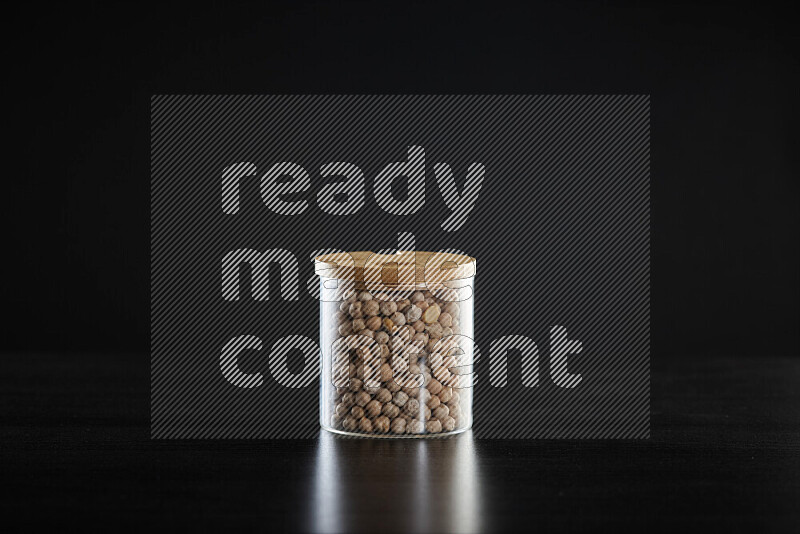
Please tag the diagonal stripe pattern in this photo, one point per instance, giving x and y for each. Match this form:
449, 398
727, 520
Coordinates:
550, 193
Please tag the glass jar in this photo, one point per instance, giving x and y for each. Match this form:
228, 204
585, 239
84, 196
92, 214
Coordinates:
396, 338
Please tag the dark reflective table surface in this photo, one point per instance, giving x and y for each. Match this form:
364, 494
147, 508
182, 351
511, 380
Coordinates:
724, 454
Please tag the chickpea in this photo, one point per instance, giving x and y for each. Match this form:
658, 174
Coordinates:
452, 309
357, 412
441, 412
449, 424
382, 424
355, 310
399, 426
400, 398
413, 314
433, 426
370, 308
365, 425
349, 423
431, 315
415, 427
345, 329
390, 410
362, 398
398, 318
434, 387
386, 372
445, 319
364, 296
373, 408
383, 395
381, 336
388, 308
374, 322
412, 407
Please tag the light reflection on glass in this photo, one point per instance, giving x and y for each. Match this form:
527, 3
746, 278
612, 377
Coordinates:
425, 485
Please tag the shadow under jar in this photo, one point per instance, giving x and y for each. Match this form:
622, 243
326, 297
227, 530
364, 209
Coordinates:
396, 337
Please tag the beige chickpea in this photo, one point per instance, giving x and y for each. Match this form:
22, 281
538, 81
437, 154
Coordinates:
402, 305
341, 410
441, 412
411, 392
399, 426
388, 325
415, 427
398, 318
447, 331
345, 329
370, 308
383, 395
355, 384
418, 326
453, 309
355, 310
367, 333
456, 330
374, 322
348, 399
390, 410
432, 314
400, 398
364, 296
455, 399
381, 336
384, 350
365, 425
411, 407
445, 319
434, 386
373, 408
422, 306
381, 424
434, 402
357, 412
434, 330
393, 386
420, 339
446, 394
362, 398
433, 426
386, 372
349, 423
388, 307
358, 324
455, 409
413, 314
448, 424
417, 296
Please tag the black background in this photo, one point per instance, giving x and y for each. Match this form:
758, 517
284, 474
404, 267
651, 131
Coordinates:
724, 100
726, 271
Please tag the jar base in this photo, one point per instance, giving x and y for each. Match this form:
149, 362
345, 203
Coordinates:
396, 436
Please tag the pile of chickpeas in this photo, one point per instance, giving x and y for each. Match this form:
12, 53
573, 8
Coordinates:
385, 393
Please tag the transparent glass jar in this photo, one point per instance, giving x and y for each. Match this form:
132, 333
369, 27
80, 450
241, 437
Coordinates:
396, 338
